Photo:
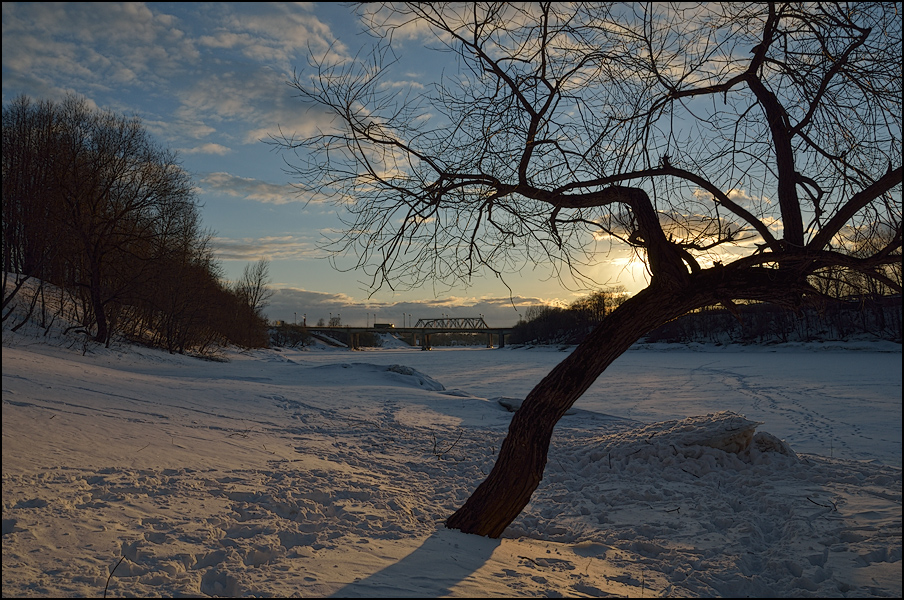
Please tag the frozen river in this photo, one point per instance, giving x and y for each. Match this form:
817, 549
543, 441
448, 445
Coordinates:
837, 403
323, 473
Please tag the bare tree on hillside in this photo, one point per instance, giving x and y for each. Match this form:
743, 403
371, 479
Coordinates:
29, 228
85, 192
739, 149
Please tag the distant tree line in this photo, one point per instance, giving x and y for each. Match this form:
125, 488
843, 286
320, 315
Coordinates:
364, 340
458, 339
875, 315
567, 324
97, 210
292, 335
289, 335
850, 305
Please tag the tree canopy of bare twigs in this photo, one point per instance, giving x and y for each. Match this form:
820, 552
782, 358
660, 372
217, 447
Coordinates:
92, 205
253, 288
743, 150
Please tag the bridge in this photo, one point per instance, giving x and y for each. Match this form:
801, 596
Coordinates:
454, 323
423, 329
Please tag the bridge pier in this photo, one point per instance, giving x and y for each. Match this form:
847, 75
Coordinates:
501, 343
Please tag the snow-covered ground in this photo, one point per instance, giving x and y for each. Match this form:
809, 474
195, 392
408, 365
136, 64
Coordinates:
327, 472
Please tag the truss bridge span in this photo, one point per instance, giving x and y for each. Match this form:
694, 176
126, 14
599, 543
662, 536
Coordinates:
423, 329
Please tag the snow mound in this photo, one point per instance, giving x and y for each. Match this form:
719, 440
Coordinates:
509, 404
693, 437
424, 381
391, 375
387, 340
766, 442
724, 430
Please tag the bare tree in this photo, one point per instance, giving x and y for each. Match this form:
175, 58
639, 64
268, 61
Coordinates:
739, 149
252, 287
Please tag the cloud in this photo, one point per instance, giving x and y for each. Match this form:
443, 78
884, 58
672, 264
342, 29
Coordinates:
409, 84
775, 225
248, 103
251, 189
270, 248
207, 149
739, 196
289, 304
97, 45
213, 70
403, 26
277, 32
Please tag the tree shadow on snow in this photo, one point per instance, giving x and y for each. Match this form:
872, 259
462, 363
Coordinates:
444, 560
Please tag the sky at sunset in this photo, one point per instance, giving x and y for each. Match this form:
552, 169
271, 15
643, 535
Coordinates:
209, 80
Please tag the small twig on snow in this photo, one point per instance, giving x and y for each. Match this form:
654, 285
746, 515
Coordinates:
111, 574
449, 449
834, 506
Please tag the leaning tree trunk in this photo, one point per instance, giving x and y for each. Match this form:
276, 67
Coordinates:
519, 468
